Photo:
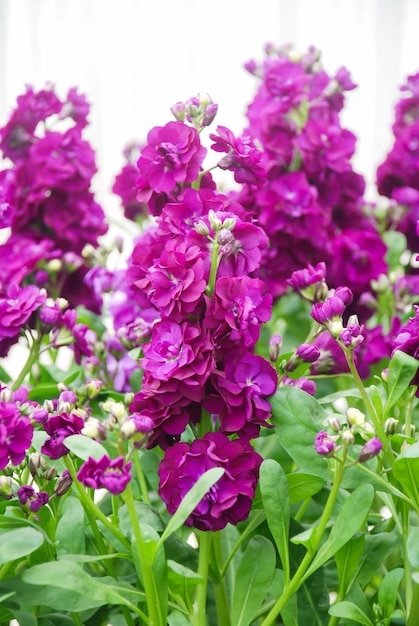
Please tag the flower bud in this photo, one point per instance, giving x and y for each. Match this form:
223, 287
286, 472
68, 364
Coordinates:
355, 417
348, 437
128, 429
390, 426
34, 463
230, 223
54, 266
51, 473
94, 429
93, 388
6, 395
63, 483
202, 228
6, 491
324, 443
275, 343
209, 114
178, 110
215, 222
335, 424
370, 449
308, 352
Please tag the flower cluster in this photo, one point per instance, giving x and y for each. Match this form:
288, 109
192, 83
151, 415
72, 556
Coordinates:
199, 269
46, 197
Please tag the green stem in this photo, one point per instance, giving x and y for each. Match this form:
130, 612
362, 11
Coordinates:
92, 510
408, 582
214, 266
379, 429
149, 582
140, 477
412, 615
221, 600
76, 619
31, 360
199, 617
300, 575
254, 523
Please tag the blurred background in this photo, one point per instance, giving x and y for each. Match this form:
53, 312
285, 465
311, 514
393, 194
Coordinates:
135, 58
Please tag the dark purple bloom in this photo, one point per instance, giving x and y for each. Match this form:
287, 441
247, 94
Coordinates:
173, 154
113, 475
307, 385
324, 443
370, 449
239, 307
16, 432
230, 499
244, 386
177, 361
58, 428
178, 279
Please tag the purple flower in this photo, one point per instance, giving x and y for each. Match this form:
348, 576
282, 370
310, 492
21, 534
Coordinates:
169, 421
239, 308
243, 158
178, 279
330, 310
17, 308
173, 154
310, 282
33, 499
113, 475
16, 432
308, 353
244, 386
324, 443
230, 499
407, 340
370, 449
177, 361
58, 427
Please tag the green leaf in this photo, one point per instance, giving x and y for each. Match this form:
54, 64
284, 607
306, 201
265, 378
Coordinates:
413, 547
274, 489
4, 376
69, 588
69, 536
347, 561
347, 610
19, 542
289, 613
406, 469
302, 486
182, 581
299, 417
376, 550
191, 500
388, 590
176, 618
351, 517
396, 245
83, 447
401, 370
254, 577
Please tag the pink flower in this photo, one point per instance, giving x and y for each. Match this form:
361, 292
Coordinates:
243, 158
16, 432
113, 475
173, 154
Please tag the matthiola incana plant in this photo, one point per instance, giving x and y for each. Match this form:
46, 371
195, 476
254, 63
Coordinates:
217, 426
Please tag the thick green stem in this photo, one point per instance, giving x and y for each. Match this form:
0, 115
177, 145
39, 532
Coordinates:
379, 429
31, 360
152, 597
408, 582
200, 613
221, 600
214, 265
140, 477
300, 575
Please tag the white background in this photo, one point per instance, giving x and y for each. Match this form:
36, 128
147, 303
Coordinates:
135, 58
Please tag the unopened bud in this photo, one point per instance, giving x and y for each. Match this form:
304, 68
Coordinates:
335, 424
348, 437
275, 343
51, 473
370, 449
93, 388
215, 222
6, 491
229, 223
202, 228
63, 484
94, 429
209, 115
178, 111
6, 395
128, 429
34, 463
355, 417
390, 426
54, 266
